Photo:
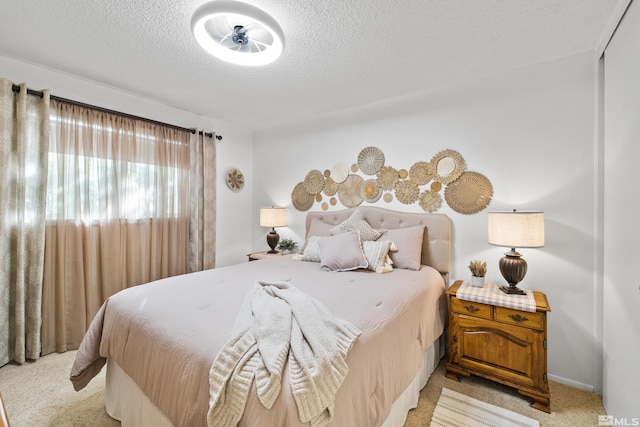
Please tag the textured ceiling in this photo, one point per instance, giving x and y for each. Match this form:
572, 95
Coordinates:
339, 54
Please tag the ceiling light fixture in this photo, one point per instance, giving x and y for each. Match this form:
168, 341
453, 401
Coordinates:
237, 33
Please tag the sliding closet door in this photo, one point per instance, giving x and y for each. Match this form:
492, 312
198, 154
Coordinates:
621, 328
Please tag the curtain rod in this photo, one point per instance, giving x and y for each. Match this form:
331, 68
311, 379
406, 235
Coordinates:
16, 89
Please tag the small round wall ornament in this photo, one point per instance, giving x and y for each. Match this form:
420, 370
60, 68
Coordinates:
300, 199
235, 180
313, 182
430, 201
370, 191
388, 197
370, 160
407, 191
447, 166
349, 191
387, 178
330, 187
339, 172
420, 173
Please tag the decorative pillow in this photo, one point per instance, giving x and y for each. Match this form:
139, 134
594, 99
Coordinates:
317, 228
312, 250
409, 242
341, 253
377, 254
356, 222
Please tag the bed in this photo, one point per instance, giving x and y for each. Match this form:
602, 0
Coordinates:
160, 339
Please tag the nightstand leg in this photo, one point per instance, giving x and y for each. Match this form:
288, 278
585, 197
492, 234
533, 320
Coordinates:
539, 402
453, 372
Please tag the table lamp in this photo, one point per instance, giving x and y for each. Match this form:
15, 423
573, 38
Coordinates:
273, 217
515, 229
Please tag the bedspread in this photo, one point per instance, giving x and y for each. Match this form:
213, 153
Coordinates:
166, 334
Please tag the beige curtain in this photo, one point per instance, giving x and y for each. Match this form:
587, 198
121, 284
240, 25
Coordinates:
202, 230
24, 135
117, 214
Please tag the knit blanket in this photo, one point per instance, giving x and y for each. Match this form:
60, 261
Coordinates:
277, 322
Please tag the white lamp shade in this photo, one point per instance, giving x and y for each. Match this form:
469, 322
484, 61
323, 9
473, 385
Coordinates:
273, 217
516, 229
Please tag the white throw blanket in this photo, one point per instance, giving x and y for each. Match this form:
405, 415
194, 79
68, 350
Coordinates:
277, 320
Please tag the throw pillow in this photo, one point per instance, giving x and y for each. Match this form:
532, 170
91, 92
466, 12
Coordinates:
377, 254
356, 222
409, 242
342, 253
317, 228
312, 251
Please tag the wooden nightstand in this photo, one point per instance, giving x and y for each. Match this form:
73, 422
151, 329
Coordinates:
501, 344
262, 255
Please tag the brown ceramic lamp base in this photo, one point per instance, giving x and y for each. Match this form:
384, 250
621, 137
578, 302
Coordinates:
513, 268
272, 240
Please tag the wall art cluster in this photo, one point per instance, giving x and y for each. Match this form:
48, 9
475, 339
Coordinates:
465, 192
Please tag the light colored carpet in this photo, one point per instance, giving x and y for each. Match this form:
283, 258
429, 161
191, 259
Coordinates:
569, 406
39, 394
457, 409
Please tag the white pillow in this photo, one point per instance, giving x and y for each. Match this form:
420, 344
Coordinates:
312, 250
377, 254
356, 222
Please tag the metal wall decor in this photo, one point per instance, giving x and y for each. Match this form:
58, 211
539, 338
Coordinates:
465, 192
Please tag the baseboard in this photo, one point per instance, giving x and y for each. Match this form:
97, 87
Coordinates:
576, 384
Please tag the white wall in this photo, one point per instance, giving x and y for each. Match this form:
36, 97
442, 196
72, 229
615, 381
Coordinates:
530, 131
621, 329
233, 209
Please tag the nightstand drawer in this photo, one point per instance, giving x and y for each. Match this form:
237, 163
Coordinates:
471, 308
519, 318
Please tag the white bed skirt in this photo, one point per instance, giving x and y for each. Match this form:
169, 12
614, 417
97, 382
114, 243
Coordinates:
126, 402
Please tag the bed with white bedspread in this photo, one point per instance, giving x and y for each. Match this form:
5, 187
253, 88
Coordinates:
160, 339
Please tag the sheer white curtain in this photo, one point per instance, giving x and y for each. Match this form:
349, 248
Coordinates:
24, 135
117, 214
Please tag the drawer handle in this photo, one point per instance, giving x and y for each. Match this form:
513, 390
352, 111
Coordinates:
518, 318
471, 308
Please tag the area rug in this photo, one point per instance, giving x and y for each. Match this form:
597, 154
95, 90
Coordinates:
456, 409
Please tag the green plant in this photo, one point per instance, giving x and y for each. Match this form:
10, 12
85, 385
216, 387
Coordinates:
287, 245
478, 268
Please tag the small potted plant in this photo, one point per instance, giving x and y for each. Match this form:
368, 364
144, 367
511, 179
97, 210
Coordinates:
478, 271
287, 246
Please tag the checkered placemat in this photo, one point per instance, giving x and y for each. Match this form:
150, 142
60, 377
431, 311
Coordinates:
491, 294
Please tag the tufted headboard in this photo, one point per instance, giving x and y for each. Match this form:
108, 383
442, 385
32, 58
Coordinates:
436, 244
